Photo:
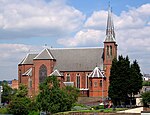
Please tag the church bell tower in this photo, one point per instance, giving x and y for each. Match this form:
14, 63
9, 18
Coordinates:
110, 46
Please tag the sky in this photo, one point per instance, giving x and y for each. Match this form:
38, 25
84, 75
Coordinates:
27, 26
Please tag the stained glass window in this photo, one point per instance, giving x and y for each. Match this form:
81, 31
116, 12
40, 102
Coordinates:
42, 73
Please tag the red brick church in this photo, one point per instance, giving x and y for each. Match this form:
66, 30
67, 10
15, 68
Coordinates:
85, 68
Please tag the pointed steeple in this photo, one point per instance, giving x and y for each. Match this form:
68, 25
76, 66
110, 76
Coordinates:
110, 34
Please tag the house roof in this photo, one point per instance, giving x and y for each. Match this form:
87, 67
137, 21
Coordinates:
28, 72
96, 73
45, 54
28, 59
56, 73
70, 59
77, 59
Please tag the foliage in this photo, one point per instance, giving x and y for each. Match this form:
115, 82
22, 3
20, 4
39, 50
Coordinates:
19, 105
7, 93
33, 113
79, 104
90, 111
22, 91
54, 99
72, 93
98, 107
146, 83
3, 111
125, 80
77, 108
146, 98
119, 77
135, 81
20, 102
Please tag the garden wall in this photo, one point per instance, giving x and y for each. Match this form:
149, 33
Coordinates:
101, 113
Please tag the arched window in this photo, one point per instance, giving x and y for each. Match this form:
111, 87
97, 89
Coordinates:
101, 83
20, 75
29, 83
68, 77
78, 80
110, 50
42, 73
90, 83
87, 80
95, 84
107, 50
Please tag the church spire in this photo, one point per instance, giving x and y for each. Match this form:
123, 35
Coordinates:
110, 34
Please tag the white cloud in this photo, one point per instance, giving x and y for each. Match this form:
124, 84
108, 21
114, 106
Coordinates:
84, 37
32, 18
37, 18
97, 20
132, 33
11, 55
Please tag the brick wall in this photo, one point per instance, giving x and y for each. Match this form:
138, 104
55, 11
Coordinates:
14, 84
146, 109
100, 113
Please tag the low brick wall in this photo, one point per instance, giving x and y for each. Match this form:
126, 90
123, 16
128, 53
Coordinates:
101, 113
146, 109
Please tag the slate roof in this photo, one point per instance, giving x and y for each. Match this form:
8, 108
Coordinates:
110, 34
70, 59
45, 54
96, 73
56, 73
28, 59
77, 59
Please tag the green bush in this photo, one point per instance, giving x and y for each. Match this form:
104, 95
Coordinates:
78, 104
146, 83
77, 108
33, 113
146, 98
98, 107
3, 111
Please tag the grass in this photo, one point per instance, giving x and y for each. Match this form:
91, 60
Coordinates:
92, 111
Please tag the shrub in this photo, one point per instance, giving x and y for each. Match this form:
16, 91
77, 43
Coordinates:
3, 111
146, 98
77, 108
98, 107
33, 113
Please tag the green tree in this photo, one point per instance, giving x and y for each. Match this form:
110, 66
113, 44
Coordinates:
20, 103
72, 92
113, 92
125, 80
135, 80
146, 98
118, 80
7, 93
54, 99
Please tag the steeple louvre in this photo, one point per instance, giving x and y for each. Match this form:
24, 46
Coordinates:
110, 34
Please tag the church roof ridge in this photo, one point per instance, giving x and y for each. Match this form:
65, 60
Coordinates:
28, 58
44, 54
56, 72
75, 48
97, 72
